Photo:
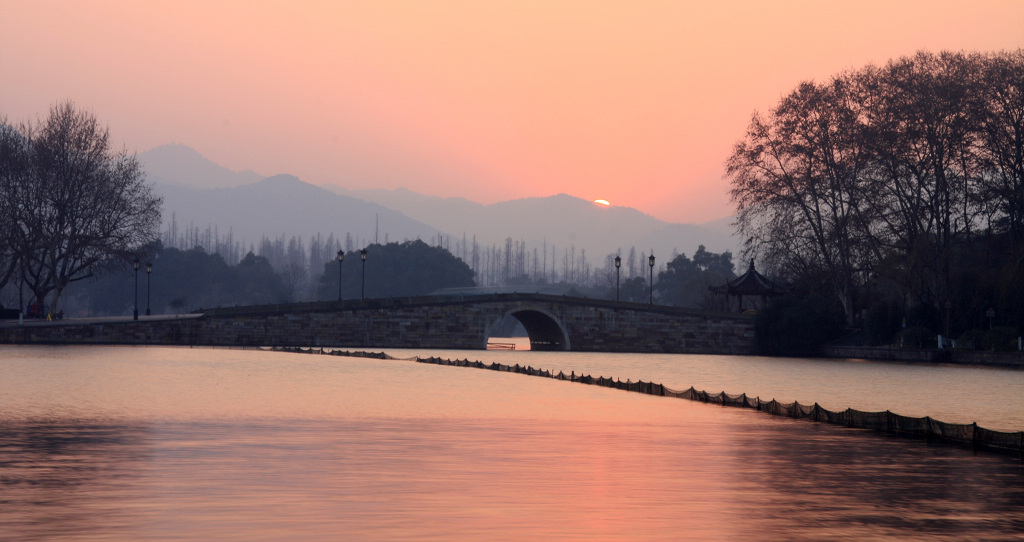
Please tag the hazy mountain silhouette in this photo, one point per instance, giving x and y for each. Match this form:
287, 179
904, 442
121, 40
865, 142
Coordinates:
203, 194
447, 214
181, 165
561, 220
284, 205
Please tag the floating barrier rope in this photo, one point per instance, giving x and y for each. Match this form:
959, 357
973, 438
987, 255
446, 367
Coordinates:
978, 438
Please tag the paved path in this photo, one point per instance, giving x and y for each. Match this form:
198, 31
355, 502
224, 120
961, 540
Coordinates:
36, 322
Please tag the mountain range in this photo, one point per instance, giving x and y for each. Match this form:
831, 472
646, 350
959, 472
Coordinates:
203, 195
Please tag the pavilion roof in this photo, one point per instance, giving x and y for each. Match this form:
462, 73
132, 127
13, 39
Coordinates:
749, 283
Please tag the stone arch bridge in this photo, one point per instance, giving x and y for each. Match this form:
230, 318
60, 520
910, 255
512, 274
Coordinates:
443, 322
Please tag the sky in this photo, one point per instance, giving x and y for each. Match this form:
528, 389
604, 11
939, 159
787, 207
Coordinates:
635, 102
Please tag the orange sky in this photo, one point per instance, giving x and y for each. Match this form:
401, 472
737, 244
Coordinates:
637, 102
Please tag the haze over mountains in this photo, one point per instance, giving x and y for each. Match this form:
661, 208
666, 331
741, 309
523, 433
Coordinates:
284, 205
202, 194
181, 165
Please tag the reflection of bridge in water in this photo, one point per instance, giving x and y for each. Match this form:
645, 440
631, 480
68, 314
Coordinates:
449, 322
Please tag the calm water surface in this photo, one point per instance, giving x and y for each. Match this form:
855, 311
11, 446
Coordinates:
118, 443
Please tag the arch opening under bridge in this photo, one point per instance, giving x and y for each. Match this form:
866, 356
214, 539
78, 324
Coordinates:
544, 330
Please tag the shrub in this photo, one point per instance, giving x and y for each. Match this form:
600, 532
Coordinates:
883, 321
793, 326
917, 337
972, 339
923, 315
1001, 339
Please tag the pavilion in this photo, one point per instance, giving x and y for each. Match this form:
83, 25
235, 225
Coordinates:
750, 283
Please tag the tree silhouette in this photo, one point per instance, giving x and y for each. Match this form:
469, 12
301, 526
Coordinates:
74, 206
404, 269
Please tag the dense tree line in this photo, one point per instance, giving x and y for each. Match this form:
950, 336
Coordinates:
186, 280
898, 184
508, 265
70, 205
685, 282
411, 268
182, 281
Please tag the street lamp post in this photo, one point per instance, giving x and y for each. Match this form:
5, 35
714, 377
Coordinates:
618, 264
991, 313
362, 255
149, 269
650, 262
135, 266
341, 256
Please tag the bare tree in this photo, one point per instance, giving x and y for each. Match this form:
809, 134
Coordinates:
794, 180
1002, 135
891, 169
82, 205
14, 169
921, 124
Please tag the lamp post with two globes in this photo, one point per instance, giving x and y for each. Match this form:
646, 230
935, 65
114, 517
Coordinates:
362, 255
341, 257
135, 266
149, 269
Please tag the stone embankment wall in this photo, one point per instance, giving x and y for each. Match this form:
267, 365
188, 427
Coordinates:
443, 323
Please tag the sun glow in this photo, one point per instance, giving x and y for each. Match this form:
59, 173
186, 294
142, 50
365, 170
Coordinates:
601, 202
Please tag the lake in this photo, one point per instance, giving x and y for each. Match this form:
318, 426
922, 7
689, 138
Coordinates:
159, 443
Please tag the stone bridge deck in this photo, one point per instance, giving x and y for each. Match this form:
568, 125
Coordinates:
442, 322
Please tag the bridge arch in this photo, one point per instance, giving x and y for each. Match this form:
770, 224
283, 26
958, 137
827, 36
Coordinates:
545, 331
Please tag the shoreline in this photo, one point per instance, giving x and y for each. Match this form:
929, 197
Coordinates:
1006, 360
10, 335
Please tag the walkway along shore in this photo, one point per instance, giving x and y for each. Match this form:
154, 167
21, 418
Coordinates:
968, 435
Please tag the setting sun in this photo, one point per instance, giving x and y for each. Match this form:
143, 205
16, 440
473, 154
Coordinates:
601, 202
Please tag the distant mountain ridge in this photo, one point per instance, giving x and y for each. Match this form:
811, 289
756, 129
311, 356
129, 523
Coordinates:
181, 165
560, 220
199, 192
284, 205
